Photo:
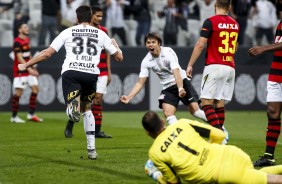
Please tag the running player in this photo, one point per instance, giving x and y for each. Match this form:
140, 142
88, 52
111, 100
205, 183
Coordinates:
104, 79
83, 44
176, 86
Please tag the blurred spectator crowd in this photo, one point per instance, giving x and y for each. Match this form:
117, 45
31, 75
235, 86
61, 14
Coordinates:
177, 21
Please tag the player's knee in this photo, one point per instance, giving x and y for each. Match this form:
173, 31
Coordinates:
85, 106
273, 113
168, 112
18, 92
98, 100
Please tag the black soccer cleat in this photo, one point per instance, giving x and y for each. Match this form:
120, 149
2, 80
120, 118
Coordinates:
68, 134
102, 135
265, 160
68, 130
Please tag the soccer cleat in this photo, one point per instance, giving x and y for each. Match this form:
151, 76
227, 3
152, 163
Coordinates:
265, 160
68, 134
92, 155
34, 118
225, 141
17, 120
73, 112
68, 130
102, 135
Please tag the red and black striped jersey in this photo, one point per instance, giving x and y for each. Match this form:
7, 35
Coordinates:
103, 66
222, 34
275, 73
21, 46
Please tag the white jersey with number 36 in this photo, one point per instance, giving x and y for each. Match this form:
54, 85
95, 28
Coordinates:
83, 44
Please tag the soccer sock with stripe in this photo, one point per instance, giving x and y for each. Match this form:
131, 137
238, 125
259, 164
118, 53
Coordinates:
32, 103
272, 135
220, 112
98, 115
212, 117
89, 128
15, 105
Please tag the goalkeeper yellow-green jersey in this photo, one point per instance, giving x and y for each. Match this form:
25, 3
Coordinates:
181, 151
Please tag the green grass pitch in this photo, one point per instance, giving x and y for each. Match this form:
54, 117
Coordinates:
38, 153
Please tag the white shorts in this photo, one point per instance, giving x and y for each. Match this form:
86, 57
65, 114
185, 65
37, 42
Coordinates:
274, 92
218, 82
23, 82
102, 84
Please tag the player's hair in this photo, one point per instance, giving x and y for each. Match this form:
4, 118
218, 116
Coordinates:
96, 9
223, 3
19, 24
152, 122
84, 14
153, 35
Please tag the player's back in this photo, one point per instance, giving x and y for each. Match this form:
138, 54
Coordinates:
222, 43
186, 152
83, 44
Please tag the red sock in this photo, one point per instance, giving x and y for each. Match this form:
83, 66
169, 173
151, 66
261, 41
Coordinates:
97, 112
32, 103
211, 116
15, 105
272, 134
221, 115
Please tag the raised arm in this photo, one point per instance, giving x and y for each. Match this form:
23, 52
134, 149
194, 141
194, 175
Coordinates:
42, 56
136, 89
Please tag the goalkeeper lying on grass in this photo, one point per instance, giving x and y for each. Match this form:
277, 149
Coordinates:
181, 153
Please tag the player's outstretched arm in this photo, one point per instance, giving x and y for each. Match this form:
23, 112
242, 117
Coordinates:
42, 56
136, 89
257, 50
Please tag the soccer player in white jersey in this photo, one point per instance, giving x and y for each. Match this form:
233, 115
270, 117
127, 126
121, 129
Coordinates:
176, 86
83, 44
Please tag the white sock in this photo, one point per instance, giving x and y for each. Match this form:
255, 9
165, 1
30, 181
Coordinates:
171, 119
200, 114
89, 128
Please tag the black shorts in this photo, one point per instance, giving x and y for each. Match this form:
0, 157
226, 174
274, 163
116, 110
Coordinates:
170, 95
77, 83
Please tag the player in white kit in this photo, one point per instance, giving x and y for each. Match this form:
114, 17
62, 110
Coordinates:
83, 44
176, 86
